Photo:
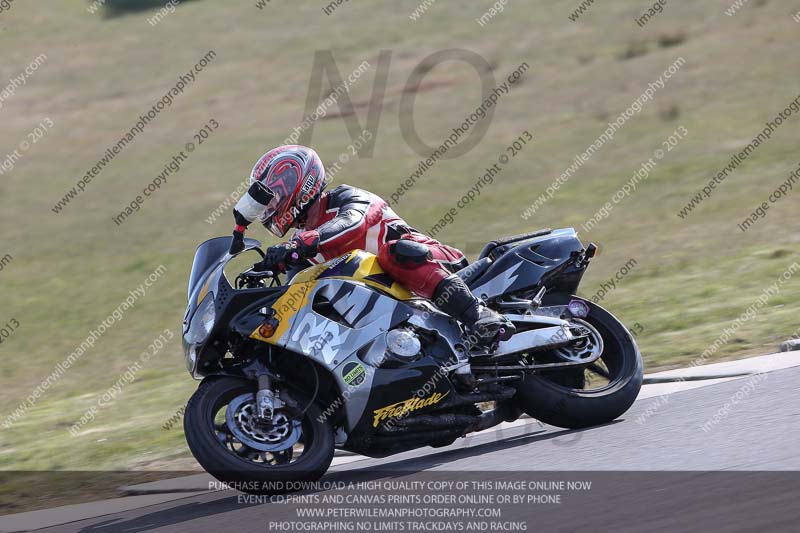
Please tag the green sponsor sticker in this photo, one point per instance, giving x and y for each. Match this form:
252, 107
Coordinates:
353, 374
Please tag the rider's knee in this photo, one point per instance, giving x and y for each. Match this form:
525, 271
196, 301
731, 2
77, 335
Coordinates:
408, 252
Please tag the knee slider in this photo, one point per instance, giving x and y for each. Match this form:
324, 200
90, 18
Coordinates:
406, 251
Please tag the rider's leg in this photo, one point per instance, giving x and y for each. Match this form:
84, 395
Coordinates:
420, 262
486, 326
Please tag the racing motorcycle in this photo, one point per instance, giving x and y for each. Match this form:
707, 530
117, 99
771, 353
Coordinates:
339, 355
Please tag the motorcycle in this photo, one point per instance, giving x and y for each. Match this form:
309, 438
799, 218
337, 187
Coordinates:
342, 356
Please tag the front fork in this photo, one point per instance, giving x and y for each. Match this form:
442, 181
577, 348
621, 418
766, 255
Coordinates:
266, 399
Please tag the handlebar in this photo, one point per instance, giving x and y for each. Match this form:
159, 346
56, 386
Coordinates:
255, 279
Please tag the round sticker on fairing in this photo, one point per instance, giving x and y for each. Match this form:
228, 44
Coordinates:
353, 374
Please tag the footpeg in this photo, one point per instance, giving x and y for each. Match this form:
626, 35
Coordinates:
536, 303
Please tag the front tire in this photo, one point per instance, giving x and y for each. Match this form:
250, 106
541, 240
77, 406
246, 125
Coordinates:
560, 399
222, 453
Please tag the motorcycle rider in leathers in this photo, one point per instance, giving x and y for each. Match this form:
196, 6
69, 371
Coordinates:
288, 191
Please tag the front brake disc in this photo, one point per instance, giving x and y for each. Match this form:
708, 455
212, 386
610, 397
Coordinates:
242, 420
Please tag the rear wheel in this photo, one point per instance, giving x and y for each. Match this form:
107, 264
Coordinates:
596, 394
234, 446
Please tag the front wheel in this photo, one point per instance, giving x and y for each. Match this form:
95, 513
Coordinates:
597, 394
236, 447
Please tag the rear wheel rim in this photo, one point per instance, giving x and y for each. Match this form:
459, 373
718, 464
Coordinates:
610, 371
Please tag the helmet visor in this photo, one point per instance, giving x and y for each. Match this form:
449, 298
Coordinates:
268, 216
270, 209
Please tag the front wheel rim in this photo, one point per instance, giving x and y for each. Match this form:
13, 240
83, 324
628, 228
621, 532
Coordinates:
286, 445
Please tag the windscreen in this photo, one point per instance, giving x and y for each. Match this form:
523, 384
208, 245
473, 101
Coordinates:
209, 254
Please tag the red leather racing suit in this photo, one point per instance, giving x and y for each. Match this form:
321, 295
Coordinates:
347, 218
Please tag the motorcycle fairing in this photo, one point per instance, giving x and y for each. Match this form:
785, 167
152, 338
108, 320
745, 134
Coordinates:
357, 265
331, 320
361, 313
543, 259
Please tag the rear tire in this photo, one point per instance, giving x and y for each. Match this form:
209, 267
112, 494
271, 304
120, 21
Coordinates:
557, 399
243, 474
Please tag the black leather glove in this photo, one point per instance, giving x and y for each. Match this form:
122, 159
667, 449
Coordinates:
237, 244
278, 256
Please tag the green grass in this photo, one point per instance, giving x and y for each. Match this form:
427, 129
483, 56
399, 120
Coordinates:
71, 270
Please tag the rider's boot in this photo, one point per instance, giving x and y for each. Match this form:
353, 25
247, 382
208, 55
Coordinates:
485, 326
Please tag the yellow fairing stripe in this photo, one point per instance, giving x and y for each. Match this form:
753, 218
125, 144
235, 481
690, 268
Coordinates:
285, 307
370, 267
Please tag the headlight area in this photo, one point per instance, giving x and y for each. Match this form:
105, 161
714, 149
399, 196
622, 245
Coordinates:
197, 332
202, 322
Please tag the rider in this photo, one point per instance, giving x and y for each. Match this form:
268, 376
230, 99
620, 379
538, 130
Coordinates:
288, 190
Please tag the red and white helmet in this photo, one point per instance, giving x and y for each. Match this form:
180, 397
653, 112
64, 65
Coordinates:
295, 177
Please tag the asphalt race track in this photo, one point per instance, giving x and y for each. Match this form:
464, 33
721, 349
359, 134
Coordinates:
655, 469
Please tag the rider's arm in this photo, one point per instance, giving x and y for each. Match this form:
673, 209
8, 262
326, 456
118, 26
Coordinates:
337, 236
249, 207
